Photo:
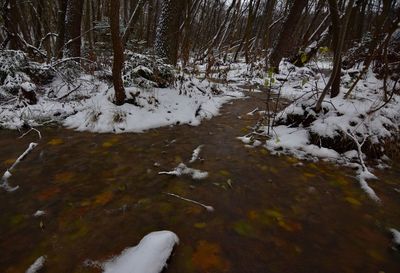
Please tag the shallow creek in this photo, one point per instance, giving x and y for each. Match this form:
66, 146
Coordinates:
102, 193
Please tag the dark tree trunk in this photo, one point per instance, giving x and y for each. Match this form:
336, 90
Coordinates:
284, 45
337, 59
73, 21
62, 7
336, 28
118, 53
150, 9
167, 36
10, 24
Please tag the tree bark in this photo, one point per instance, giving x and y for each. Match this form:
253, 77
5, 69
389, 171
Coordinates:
167, 36
284, 45
337, 60
60, 27
336, 30
73, 21
118, 53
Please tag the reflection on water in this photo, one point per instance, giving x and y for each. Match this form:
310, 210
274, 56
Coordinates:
102, 193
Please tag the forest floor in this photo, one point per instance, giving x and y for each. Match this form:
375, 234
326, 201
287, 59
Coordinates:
101, 193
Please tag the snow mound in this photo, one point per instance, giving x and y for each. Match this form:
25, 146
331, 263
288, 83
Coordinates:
149, 256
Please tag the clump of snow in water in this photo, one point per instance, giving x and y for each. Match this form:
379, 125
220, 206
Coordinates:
196, 154
182, 169
396, 236
37, 265
39, 213
149, 256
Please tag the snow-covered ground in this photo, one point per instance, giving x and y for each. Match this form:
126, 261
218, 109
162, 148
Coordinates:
344, 127
84, 102
155, 108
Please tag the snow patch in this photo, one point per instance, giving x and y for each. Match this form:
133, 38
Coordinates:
39, 213
37, 265
149, 256
196, 154
396, 236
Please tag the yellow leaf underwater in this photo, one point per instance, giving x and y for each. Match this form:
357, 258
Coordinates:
56, 141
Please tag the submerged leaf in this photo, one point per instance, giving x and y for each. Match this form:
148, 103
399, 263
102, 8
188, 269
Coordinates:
56, 141
244, 229
207, 258
200, 225
103, 198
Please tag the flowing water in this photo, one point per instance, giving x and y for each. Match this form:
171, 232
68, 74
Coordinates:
102, 193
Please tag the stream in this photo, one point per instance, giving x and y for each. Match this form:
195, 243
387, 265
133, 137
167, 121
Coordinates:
102, 193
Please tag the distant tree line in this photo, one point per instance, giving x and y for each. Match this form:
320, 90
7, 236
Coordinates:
201, 29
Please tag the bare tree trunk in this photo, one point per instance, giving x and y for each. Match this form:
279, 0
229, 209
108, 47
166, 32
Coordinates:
61, 27
150, 10
268, 14
89, 24
220, 29
337, 60
167, 37
73, 21
118, 53
284, 45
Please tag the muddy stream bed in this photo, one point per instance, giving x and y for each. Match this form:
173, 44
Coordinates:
102, 193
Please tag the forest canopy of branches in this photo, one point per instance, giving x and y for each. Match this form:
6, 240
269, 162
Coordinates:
199, 29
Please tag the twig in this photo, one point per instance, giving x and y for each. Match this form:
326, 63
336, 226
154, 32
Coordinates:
70, 92
208, 208
364, 173
30, 130
386, 102
359, 148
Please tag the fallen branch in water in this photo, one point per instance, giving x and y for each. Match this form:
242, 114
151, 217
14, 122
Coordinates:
7, 174
363, 172
30, 130
208, 208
